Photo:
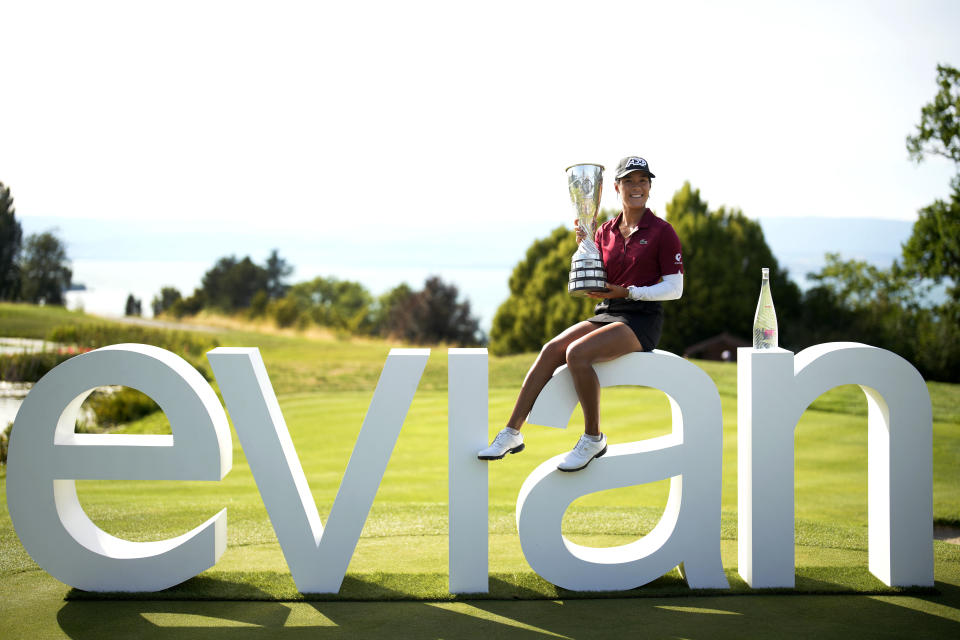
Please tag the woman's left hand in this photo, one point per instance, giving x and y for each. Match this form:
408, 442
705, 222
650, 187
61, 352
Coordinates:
613, 291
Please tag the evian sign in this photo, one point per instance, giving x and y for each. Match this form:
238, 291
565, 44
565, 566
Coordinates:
46, 457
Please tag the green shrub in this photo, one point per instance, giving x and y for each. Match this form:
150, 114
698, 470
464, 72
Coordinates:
188, 306
113, 408
258, 305
285, 312
94, 336
30, 367
5, 442
190, 346
303, 321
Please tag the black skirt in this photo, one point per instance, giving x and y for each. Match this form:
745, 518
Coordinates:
645, 319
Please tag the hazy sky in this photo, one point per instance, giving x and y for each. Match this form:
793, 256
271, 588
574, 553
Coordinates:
365, 123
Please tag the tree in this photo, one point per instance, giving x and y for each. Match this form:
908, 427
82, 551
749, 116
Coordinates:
933, 249
165, 300
258, 304
434, 314
885, 307
231, 284
11, 237
859, 285
865, 303
854, 300
939, 130
723, 253
189, 306
43, 269
539, 306
133, 306
341, 304
278, 270
391, 312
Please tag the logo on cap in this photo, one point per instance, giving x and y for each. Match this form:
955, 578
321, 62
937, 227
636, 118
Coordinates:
636, 162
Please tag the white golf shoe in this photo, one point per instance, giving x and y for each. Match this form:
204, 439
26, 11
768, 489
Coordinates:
585, 451
504, 443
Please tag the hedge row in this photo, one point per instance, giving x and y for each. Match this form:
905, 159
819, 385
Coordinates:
114, 408
119, 407
4, 442
111, 409
93, 336
30, 367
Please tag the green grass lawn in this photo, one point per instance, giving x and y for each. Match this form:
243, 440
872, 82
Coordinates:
30, 321
324, 388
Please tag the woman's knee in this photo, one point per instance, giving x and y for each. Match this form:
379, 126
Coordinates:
553, 352
578, 355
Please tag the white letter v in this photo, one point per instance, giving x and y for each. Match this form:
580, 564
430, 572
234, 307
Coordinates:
317, 557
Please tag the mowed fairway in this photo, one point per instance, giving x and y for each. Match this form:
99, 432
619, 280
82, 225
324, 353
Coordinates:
325, 386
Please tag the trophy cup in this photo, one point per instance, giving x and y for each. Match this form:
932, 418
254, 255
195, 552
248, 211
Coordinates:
586, 270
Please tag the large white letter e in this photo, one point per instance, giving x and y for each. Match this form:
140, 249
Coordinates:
47, 455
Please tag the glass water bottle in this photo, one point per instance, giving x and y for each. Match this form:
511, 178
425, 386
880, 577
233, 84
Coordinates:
765, 320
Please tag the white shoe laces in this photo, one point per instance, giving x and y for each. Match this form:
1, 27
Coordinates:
502, 437
582, 445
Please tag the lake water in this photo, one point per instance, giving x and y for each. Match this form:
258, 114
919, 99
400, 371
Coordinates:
11, 397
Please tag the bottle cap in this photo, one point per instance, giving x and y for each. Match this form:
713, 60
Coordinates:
765, 271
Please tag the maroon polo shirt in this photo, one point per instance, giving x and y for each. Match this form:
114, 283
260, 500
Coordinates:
651, 252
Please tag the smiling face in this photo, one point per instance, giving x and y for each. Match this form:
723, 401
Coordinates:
634, 189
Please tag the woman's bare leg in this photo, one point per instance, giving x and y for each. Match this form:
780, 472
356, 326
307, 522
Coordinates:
605, 343
553, 354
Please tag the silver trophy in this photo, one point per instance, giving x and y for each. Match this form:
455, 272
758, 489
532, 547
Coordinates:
586, 270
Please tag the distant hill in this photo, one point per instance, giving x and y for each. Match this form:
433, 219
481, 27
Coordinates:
799, 244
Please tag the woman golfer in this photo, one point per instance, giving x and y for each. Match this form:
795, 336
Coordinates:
642, 256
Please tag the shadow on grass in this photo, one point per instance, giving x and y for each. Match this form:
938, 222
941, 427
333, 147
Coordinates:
432, 587
716, 618
521, 612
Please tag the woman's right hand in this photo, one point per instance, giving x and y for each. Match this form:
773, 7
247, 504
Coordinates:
581, 234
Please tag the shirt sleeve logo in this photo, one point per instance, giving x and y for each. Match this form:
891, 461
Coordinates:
677, 258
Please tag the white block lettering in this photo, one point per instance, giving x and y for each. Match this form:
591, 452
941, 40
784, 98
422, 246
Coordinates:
46, 456
774, 389
318, 556
468, 484
689, 532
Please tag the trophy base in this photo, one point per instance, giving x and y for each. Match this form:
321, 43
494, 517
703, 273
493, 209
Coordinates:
587, 275
581, 292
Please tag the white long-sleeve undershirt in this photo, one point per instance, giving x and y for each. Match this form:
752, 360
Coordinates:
670, 288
